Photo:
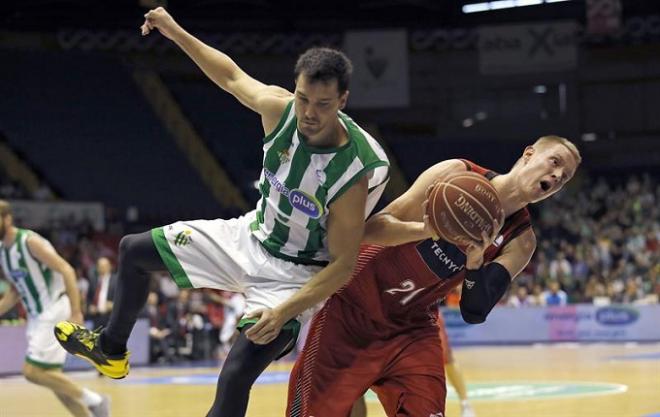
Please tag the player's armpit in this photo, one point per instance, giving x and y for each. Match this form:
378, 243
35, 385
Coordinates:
517, 253
408, 207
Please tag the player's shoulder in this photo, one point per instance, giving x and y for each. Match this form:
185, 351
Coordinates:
447, 167
34, 239
273, 100
275, 95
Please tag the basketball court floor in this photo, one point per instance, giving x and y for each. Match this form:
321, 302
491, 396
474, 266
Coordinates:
565, 380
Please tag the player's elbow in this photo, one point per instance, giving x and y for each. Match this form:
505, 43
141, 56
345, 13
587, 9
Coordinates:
473, 317
373, 228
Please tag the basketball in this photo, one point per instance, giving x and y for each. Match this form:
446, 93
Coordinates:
463, 206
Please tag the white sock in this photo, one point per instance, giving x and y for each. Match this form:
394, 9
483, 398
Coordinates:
465, 403
90, 398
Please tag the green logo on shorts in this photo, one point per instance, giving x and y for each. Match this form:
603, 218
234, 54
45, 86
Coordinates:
183, 238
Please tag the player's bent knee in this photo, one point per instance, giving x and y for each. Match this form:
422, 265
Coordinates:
126, 245
32, 373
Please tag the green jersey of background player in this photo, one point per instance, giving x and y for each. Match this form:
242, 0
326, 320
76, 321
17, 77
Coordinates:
46, 285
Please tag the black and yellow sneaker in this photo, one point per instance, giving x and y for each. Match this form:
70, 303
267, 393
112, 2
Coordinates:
84, 343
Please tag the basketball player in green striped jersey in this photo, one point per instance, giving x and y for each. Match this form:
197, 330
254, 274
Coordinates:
46, 285
322, 175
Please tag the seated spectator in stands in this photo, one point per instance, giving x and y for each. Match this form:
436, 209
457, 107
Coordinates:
632, 292
101, 292
162, 346
555, 296
560, 267
521, 298
537, 298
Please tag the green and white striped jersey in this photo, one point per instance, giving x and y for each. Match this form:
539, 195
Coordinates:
38, 286
298, 183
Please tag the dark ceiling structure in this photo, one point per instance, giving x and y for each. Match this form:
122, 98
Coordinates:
285, 15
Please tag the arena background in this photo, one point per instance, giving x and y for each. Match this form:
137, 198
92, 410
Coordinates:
104, 132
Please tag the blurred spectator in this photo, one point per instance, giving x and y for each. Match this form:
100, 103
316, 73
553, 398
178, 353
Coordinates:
162, 344
595, 240
555, 296
101, 293
537, 298
560, 268
521, 298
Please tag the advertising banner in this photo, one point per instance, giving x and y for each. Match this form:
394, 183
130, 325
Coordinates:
380, 68
521, 48
574, 323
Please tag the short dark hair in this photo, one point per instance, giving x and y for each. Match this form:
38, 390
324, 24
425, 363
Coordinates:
325, 64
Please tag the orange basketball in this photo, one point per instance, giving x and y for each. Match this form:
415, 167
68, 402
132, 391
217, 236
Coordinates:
463, 206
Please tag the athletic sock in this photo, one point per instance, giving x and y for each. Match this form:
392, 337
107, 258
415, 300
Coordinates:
90, 398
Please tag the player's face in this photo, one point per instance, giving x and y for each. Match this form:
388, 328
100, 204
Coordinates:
317, 104
546, 170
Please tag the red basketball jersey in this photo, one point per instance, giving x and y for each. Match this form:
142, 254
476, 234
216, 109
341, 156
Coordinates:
398, 285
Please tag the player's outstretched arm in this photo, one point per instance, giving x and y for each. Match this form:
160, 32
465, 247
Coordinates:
268, 101
345, 230
484, 285
402, 221
44, 252
8, 300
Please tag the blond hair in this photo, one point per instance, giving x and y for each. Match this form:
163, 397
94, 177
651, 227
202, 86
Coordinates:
5, 208
545, 141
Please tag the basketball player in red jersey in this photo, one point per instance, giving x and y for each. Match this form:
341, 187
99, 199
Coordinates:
452, 371
379, 331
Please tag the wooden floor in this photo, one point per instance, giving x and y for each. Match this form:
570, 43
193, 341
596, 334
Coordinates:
531, 381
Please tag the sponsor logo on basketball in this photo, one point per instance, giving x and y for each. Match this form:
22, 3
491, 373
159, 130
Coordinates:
616, 316
487, 193
463, 204
306, 203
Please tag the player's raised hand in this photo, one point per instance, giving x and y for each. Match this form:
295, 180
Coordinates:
267, 328
160, 19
